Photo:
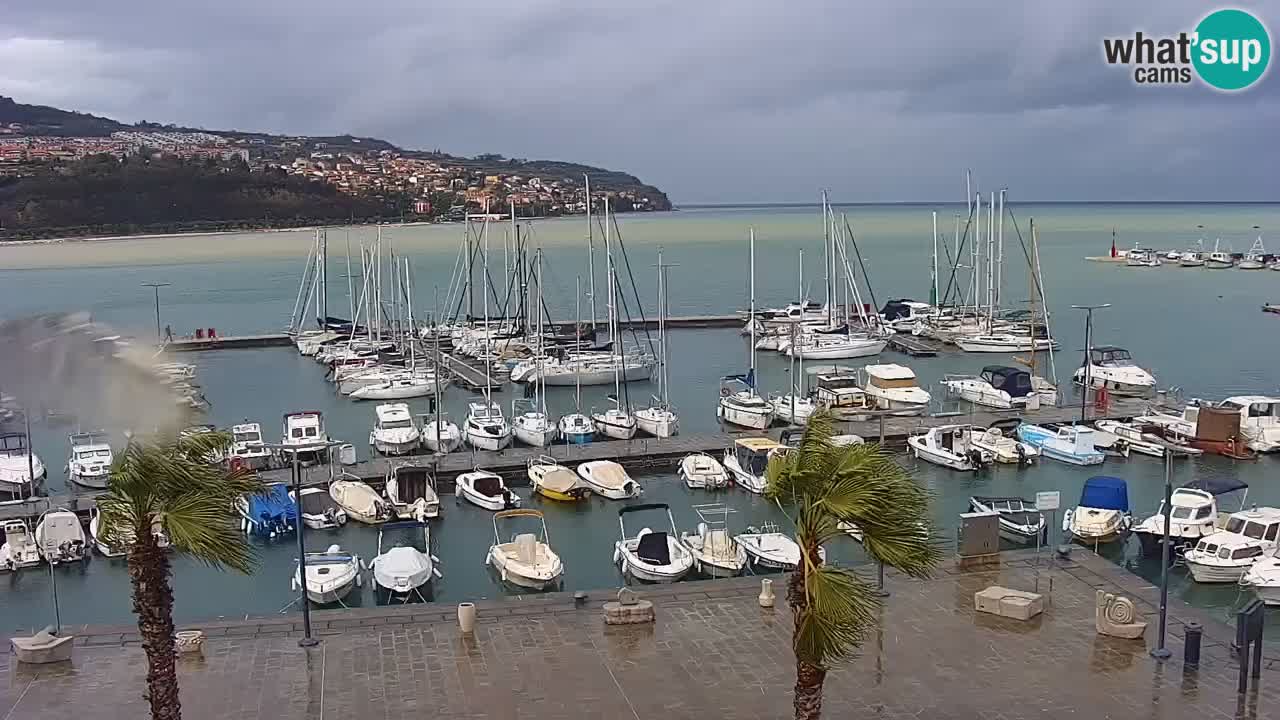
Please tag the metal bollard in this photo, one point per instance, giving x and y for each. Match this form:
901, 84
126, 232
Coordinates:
1191, 646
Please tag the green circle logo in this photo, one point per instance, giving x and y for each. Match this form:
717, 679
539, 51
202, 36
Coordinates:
1232, 49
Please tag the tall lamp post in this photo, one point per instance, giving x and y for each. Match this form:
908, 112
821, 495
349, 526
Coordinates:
156, 287
1161, 652
1088, 345
296, 478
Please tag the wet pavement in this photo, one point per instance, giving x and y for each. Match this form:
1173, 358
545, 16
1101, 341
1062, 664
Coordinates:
713, 653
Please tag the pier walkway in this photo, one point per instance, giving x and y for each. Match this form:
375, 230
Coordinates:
713, 653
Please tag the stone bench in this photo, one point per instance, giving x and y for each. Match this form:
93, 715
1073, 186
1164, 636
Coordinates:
1009, 603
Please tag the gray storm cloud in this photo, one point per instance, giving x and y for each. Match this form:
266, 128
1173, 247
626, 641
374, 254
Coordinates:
712, 101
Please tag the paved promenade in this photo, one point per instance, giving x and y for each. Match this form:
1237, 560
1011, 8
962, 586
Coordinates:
712, 654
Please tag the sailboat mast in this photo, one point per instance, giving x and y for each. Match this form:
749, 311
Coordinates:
488, 395
1000, 251
541, 379
991, 260
435, 326
977, 244
751, 375
577, 337
612, 306
591, 254
934, 267
826, 262
351, 297
1044, 301
324, 276
408, 301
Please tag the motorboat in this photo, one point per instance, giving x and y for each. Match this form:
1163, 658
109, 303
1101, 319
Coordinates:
1219, 260
576, 429
1195, 515
304, 435
1072, 444
380, 375
1226, 555
19, 549
616, 422
213, 457
715, 553
769, 549
21, 470
902, 315
247, 449
1191, 258
1020, 522
1255, 259
404, 569
393, 430
748, 460
998, 386
1004, 448
439, 434
554, 481
793, 408
98, 536
318, 509
486, 428
361, 502
743, 407
1005, 343
949, 446
269, 513
531, 425
1264, 578
837, 389
330, 575
1259, 420
411, 493
90, 462
701, 471
608, 479
60, 537
526, 561
486, 490
402, 387
1171, 257
651, 555
894, 388
658, 420
1113, 369
1139, 257
1102, 515
1128, 437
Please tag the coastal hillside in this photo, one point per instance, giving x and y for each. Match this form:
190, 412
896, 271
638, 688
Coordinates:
65, 173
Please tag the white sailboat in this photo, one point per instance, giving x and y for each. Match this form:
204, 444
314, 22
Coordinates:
745, 407
439, 434
530, 421
659, 419
617, 422
576, 428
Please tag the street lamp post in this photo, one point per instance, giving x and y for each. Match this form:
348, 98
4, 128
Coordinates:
156, 287
1088, 345
1161, 652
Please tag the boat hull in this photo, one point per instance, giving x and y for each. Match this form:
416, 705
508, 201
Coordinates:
753, 418
659, 425
488, 442
1203, 573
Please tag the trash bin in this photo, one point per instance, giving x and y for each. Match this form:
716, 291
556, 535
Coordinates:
347, 454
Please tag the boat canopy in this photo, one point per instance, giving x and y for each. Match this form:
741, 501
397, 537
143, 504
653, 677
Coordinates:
489, 485
1105, 493
1217, 485
1015, 381
896, 310
1110, 354
653, 548
758, 444
273, 504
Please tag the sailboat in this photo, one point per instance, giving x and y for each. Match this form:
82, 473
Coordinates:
617, 422
532, 425
659, 420
576, 428
745, 407
1044, 390
438, 433
795, 407
485, 427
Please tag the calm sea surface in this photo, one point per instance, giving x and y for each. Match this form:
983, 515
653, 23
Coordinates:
1199, 330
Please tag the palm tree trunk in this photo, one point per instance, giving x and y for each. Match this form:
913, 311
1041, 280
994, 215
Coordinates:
809, 677
153, 604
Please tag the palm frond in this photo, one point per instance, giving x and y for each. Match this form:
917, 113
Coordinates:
841, 608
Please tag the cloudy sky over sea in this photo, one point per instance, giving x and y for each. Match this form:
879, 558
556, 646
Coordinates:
733, 101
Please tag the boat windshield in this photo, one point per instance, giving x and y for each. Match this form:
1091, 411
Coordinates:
754, 463
1114, 357
247, 437
1181, 513
13, 444
1248, 529
301, 432
396, 424
91, 454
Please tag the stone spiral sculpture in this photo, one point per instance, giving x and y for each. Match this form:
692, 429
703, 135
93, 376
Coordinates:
1117, 616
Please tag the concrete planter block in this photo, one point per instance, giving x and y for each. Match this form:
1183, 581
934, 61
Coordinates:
1009, 603
43, 648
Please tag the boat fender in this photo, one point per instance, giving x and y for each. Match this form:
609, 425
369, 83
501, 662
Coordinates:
1022, 454
724, 392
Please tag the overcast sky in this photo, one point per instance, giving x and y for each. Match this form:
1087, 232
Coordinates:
732, 101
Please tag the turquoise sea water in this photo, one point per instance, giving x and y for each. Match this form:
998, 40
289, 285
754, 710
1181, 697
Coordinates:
1199, 330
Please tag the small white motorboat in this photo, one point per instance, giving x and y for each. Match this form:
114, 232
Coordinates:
305, 436
651, 555
1004, 448
97, 535
1102, 515
90, 462
1005, 343
486, 490
1112, 368
894, 388
1264, 577
526, 561
769, 549
701, 471
1195, 515
1072, 444
411, 492
439, 434
19, 549
1020, 522
949, 446
360, 501
404, 569
60, 537
393, 430
318, 509
1128, 437
998, 386
1226, 555
608, 479
21, 470
554, 481
330, 575
486, 428
748, 460
247, 450
1255, 259
715, 553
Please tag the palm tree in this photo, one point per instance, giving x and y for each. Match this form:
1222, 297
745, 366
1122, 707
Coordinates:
822, 486
166, 487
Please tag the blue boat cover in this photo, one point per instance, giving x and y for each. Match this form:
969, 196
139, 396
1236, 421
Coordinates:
1105, 493
274, 505
1217, 485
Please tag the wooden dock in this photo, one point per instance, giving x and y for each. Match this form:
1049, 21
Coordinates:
914, 346
640, 455
466, 375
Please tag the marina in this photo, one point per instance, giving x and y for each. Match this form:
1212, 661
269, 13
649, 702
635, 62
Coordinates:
258, 384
